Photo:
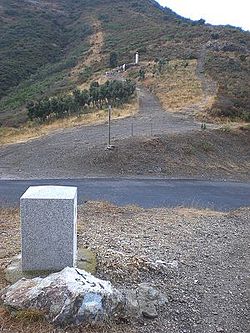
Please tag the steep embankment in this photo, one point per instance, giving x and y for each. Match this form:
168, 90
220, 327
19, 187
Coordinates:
40, 43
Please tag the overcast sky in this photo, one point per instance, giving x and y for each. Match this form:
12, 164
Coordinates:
233, 12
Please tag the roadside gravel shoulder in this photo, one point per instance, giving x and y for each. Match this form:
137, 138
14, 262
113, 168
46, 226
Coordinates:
200, 259
211, 154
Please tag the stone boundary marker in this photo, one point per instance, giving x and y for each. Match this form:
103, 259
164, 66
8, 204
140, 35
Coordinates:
49, 228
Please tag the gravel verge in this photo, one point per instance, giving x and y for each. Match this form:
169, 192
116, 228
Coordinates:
200, 259
212, 154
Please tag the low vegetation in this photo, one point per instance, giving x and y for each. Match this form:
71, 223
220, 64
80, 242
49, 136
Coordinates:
114, 93
232, 71
34, 35
175, 83
35, 129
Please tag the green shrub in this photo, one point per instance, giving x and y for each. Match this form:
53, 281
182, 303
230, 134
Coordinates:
111, 92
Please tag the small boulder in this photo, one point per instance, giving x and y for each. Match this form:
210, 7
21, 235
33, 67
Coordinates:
149, 300
71, 296
74, 296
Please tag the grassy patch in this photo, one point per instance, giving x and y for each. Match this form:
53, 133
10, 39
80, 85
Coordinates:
29, 315
207, 146
175, 84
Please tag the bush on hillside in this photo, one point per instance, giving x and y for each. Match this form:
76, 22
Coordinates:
113, 60
113, 93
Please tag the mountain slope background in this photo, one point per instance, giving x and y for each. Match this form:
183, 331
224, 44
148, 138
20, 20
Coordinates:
49, 48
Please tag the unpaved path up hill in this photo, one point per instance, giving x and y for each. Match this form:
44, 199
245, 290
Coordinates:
34, 159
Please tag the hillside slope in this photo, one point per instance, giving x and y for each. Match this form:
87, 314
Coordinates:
46, 47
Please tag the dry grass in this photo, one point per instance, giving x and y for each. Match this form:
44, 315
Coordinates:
177, 87
31, 131
195, 212
10, 240
215, 154
96, 77
30, 315
24, 322
94, 54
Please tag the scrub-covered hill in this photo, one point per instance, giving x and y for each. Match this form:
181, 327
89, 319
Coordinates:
50, 47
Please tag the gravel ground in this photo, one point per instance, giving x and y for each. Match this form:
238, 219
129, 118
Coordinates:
212, 154
152, 142
53, 156
203, 268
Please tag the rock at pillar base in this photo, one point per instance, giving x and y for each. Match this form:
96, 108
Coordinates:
68, 297
74, 296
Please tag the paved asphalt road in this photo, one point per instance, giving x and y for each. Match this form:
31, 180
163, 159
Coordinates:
147, 192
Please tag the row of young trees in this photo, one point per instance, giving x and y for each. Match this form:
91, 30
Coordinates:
113, 93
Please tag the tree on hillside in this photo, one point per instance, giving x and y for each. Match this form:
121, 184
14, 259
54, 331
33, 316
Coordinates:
94, 92
113, 60
142, 74
111, 92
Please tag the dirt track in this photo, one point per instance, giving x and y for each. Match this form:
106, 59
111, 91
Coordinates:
34, 159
